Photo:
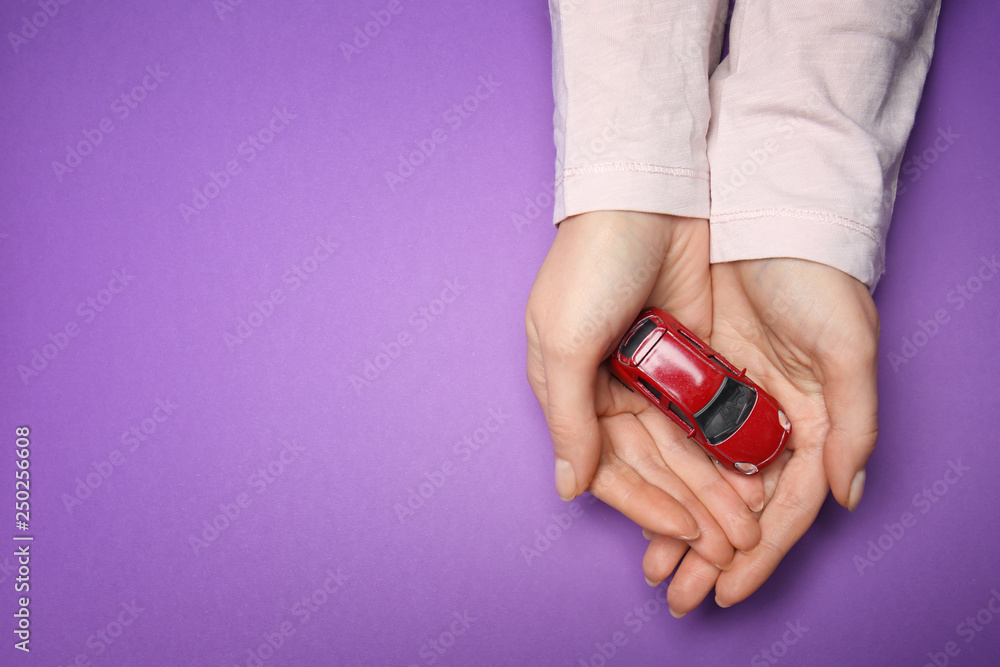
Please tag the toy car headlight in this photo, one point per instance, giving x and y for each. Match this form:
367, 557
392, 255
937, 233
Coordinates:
783, 420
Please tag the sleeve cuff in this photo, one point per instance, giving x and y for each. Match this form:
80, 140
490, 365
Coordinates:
630, 186
820, 237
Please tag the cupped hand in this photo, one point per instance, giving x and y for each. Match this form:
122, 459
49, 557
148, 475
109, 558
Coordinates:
602, 269
808, 334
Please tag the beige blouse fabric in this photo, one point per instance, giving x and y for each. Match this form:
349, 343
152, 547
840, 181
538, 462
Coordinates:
791, 145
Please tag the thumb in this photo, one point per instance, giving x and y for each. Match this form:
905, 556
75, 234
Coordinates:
852, 405
571, 414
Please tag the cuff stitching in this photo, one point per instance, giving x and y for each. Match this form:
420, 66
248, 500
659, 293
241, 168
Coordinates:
848, 223
640, 167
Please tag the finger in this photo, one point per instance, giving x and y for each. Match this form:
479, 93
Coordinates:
689, 463
572, 420
797, 500
712, 541
851, 394
661, 558
692, 583
750, 488
636, 453
619, 485
771, 475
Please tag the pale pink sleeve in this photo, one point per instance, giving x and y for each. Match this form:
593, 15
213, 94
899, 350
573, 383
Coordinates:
630, 81
811, 111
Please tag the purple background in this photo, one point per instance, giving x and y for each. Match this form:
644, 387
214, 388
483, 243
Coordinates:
360, 451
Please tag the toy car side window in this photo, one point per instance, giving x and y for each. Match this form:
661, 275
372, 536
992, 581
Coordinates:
651, 389
715, 360
680, 415
696, 344
629, 347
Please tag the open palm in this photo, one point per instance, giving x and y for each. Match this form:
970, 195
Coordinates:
808, 334
602, 269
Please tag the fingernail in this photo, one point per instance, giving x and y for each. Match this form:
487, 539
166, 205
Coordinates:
857, 488
690, 538
654, 584
647, 534
724, 606
724, 569
565, 480
675, 614
758, 507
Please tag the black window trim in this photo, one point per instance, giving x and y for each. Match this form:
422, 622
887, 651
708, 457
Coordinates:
690, 339
656, 393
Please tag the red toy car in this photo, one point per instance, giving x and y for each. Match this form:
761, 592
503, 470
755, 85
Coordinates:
735, 421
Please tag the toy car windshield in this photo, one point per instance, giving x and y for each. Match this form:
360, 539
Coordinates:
629, 347
727, 411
